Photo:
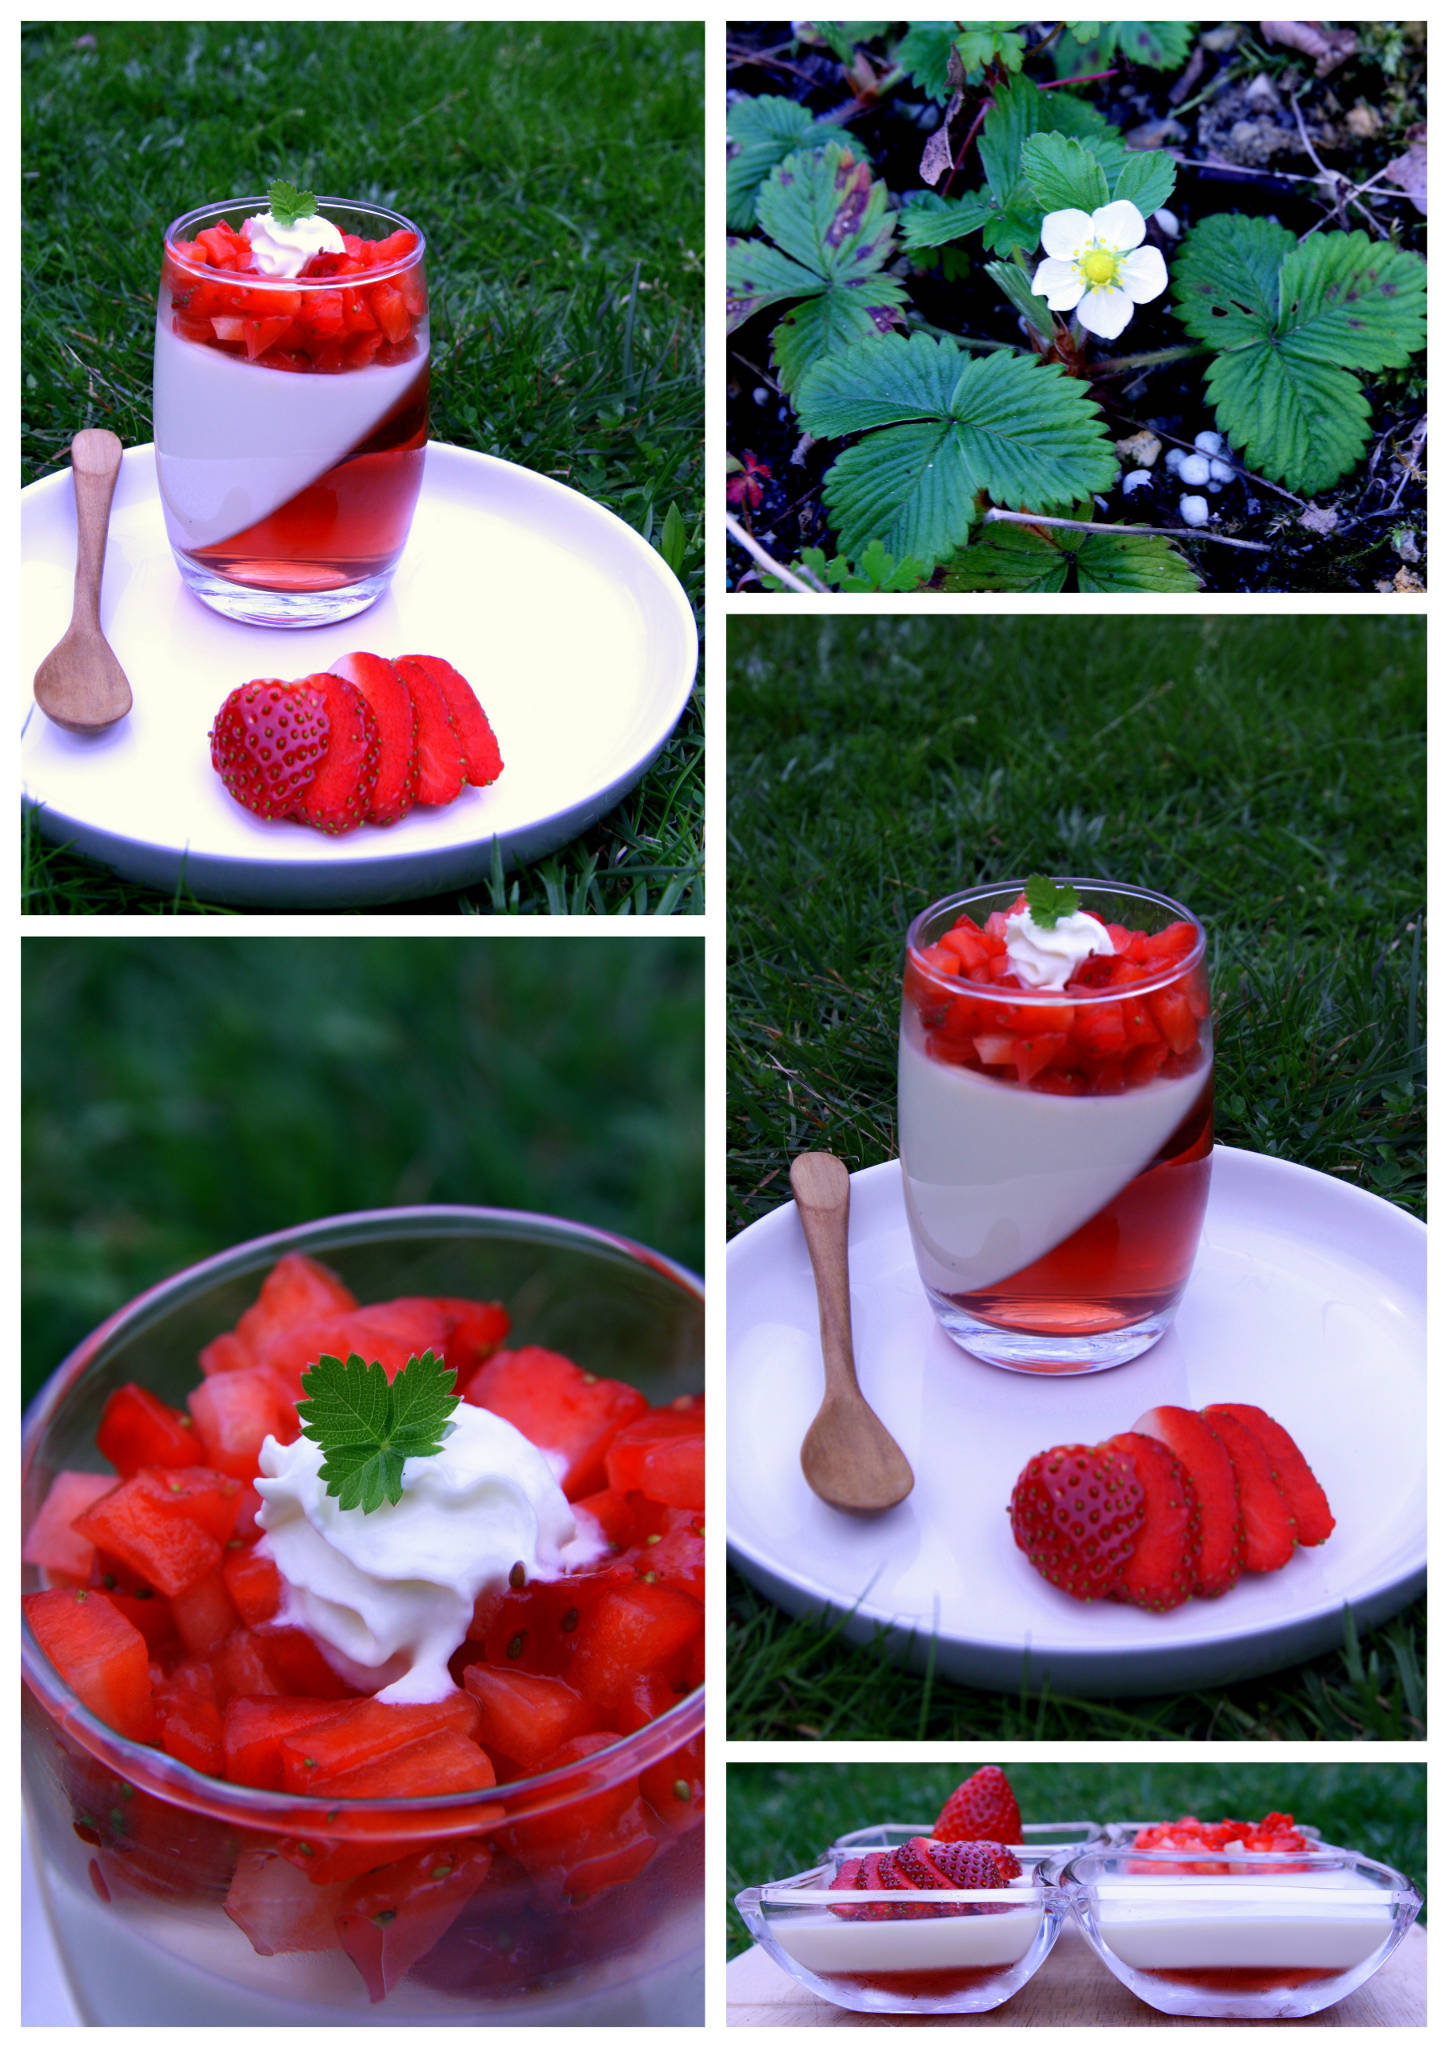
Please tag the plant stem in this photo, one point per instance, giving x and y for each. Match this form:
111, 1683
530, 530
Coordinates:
1116, 366
767, 562
1256, 547
961, 340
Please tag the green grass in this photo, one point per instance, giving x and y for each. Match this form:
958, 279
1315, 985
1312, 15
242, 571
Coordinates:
783, 1816
1270, 773
557, 168
180, 1096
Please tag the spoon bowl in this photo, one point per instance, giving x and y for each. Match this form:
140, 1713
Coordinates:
80, 684
848, 1457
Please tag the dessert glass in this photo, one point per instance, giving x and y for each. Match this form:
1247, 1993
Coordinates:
944, 1952
1055, 1218
137, 1854
1252, 1936
288, 477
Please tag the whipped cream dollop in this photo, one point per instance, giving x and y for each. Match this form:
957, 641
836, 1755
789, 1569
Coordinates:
390, 1595
283, 252
1046, 956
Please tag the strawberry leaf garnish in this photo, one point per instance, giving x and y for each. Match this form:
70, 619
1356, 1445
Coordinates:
368, 1428
288, 205
1047, 902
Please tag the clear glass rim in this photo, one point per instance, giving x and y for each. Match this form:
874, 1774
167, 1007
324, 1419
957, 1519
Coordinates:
207, 216
152, 1770
958, 984
1083, 1872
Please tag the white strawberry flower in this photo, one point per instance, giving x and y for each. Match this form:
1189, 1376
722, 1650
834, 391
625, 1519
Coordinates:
1096, 268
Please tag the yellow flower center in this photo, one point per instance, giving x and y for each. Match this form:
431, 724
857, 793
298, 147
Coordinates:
1099, 266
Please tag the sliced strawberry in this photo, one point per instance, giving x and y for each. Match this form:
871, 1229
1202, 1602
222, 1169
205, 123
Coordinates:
1214, 1480
983, 1809
340, 793
1268, 1531
484, 762
395, 791
1162, 1568
1305, 1498
441, 767
99, 1654
269, 742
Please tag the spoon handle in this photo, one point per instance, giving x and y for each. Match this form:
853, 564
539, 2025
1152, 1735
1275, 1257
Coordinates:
95, 463
821, 1185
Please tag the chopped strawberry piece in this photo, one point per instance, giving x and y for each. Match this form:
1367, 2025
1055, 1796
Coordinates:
150, 1522
137, 1429
674, 1787
1162, 1568
476, 1329
395, 790
1214, 1482
278, 1908
269, 742
661, 1456
526, 1716
570, 1414
364, 1730
234, 1413
1305, 1499
390, 1920
632, 1628
434, 1766
1268, 1531
613, 1513
189, 1718
253, 1729
52, 1543
204, 1615
339, 795
99, 1654
296, 1290
253, 1584
668, 1544
483, 761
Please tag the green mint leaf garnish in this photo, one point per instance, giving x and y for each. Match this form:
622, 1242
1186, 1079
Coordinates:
288, 205
369, 1429
1047, 901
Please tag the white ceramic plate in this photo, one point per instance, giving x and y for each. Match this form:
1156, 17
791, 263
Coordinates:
578, 640
1308, 1298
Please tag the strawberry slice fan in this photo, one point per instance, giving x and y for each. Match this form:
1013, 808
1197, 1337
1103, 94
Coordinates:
359, 744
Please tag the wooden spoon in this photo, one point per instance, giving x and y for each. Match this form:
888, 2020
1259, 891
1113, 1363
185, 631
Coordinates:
80, 684
848, 1456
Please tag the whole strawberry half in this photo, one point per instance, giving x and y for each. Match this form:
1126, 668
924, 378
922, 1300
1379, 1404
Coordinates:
983, 1809
1075, 1511
268, 742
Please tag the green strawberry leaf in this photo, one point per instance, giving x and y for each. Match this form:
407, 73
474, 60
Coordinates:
762, 133
1026, 558
833, 234
1291, 323
1062, 172
991, 42
1147, 179
368, 1428
928, 222
924, 55
1091, 45
955, 426
288, 205
1016, 284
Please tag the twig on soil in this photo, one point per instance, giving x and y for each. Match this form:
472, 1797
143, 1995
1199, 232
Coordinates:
1346, 194
767, 562
1255, 547
1415, 449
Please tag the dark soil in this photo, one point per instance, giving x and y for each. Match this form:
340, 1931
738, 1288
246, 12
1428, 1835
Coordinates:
1244, 137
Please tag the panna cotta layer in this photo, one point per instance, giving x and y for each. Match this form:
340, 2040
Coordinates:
997, 1175
235, 440
829, 1944
1329, 1920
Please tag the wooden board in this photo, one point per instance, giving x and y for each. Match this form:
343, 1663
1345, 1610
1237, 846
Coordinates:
1071, 1989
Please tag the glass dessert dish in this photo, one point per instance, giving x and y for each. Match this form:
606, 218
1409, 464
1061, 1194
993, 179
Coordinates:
290, 413
953, 1951
1055, 1140
1251, 1936
180, 1898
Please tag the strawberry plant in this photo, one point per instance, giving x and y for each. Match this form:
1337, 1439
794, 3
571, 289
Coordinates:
941, 232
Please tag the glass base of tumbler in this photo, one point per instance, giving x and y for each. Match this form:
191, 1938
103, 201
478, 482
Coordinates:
295, 608
1062, 1353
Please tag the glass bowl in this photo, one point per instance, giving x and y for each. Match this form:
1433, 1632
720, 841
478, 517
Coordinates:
944, 1952
1261, 1937
139, 1856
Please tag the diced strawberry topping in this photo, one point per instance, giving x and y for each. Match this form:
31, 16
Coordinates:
137, 1429
661, 1455
571, 1414
52, 1542
99, 1654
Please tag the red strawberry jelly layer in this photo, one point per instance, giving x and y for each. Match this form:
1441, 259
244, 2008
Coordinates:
913, 1983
